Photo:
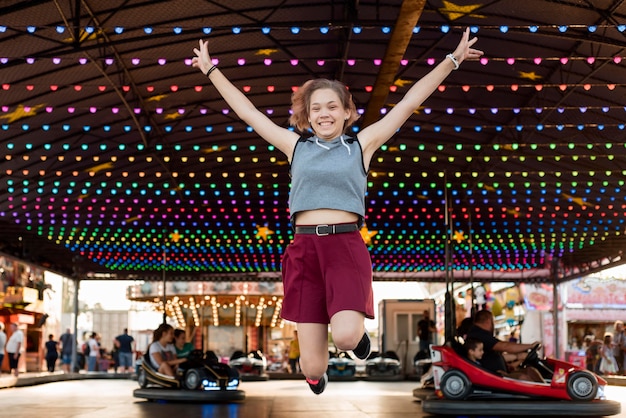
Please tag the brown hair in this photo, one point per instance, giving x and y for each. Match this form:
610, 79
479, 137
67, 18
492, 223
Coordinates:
301, 102
162, 329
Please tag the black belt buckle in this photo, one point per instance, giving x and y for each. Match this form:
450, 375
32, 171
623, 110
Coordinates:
317, 230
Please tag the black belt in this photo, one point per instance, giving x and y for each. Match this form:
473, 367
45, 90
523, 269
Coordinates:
322, 230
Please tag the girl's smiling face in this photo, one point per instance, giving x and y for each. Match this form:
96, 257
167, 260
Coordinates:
327, 114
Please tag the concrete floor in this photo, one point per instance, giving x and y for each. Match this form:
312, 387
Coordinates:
272, 399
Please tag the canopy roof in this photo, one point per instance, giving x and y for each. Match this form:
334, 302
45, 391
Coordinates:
115, 151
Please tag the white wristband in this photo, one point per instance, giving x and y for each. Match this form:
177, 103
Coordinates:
454, 61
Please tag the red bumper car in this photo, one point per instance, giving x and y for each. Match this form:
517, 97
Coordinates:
566, 390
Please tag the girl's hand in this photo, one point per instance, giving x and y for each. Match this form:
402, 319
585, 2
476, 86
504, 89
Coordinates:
202, 60
464, 50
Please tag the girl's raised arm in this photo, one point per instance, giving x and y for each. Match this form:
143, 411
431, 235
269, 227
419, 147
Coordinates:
280, 137
375, 135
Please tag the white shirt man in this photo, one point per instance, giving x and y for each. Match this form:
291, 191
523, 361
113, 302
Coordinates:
14, 347
3, 341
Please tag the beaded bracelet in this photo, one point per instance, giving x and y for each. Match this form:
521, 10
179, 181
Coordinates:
208, 73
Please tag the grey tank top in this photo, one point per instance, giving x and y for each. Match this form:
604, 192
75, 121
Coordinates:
328, 175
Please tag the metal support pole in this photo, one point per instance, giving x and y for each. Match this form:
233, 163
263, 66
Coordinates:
75, 345
164, 290
555, 315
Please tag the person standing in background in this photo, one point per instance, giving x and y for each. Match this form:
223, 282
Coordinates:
619, 342
425, 330
294, 353
52, 353
125, 345
14, 348
94, 352
608, 365
3, 341
67, 346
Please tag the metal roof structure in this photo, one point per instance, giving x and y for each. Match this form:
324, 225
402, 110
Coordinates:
116, 154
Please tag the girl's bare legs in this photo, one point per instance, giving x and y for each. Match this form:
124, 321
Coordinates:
347, 328
166, 369
313, 339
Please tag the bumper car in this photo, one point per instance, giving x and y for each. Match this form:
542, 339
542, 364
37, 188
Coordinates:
251, 366
421, 363
462, 386
341, 365
383, 366
200, 379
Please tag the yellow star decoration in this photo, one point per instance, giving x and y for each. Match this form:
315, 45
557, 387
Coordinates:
21, 112
174, 237
85, 36
367, 235
401, 82
530, 75
513, 212
262, 232
267, 52
172, 116
455, 11
578, 200
212, 150
156, 98
100, 167
458, 236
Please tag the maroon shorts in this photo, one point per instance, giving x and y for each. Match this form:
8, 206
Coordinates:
325, 275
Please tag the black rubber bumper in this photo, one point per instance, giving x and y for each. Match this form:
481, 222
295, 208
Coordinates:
199, 396
520, 407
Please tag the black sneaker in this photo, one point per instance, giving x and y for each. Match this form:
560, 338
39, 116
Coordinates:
364, 347
318, 387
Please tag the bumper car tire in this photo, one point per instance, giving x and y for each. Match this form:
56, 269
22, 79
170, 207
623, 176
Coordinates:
582, 386
191, 379
455, 385
142, 378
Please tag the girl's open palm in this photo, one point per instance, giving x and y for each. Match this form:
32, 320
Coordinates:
202, 60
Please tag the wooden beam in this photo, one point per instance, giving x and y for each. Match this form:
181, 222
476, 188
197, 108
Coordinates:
410, 12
